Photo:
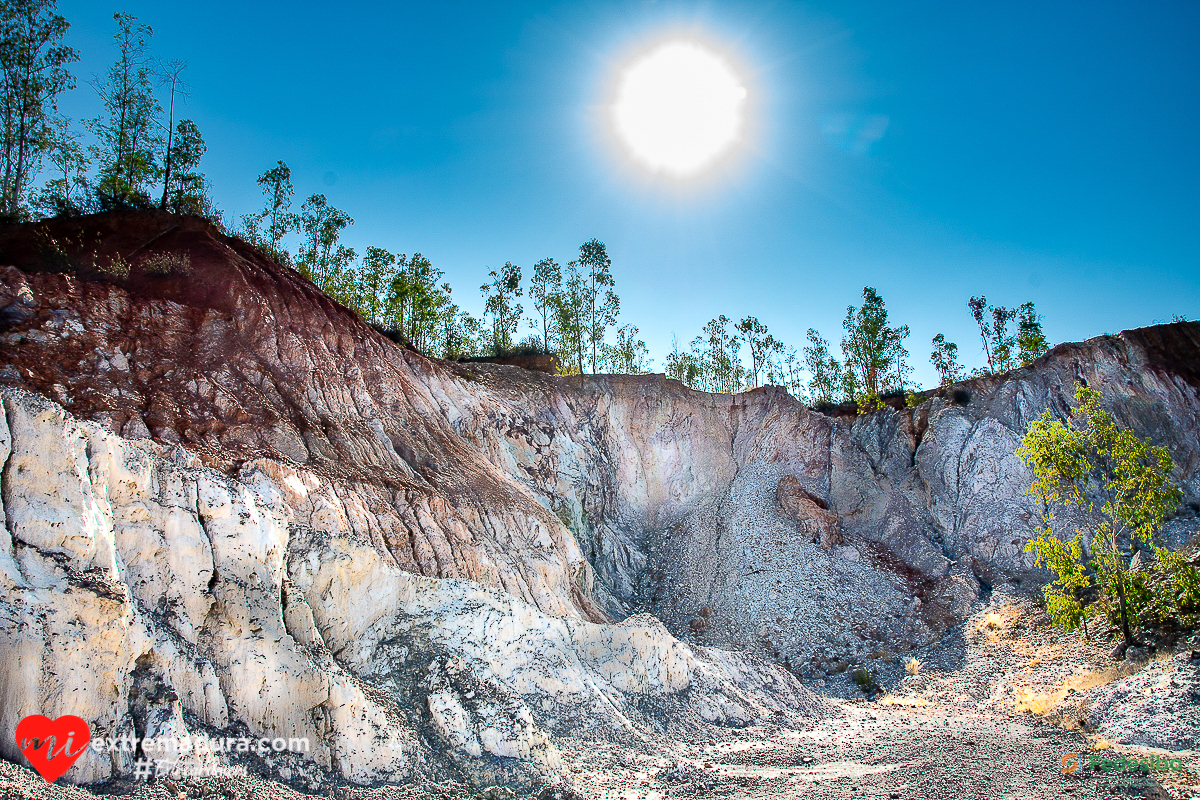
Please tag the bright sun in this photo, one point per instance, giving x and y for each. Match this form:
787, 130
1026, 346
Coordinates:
679, 108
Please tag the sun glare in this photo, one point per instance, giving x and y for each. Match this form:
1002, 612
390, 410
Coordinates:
679, 108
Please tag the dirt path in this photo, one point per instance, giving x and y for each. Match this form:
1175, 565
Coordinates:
865, 751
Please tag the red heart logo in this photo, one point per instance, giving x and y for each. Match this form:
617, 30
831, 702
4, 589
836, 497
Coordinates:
52, 745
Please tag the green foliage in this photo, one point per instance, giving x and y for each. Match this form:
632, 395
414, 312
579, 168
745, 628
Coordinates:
826, 371
863, 678
418, 302
322, 259
602, 303
65, 193
629, 356
277, 189
1006, 349
167, 263
544, 289
763, 347
33, 73
570, 320
185, 190
869, 402
682, 366
874, 351
945, 360
1119, 488
126, 135
912, 400
499, 301
1031, 342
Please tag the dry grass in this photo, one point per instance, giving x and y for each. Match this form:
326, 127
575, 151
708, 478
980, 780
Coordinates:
116, 267
903, 700
1052, 703
912, 666
167, 264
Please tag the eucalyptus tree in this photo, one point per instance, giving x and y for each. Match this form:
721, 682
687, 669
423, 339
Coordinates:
1007, 349
828, 377
874, 351
721, 356
629, 356
171, 77
762, 345
126, 133
421, 299
945, 360
683, 366
33, 73
500, 302
1031, 342
322, 259
276, 185
65, 192
998, 342
603, 305
185, 191
571, 306
544, 288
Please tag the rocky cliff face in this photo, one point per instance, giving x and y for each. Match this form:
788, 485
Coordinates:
245, 499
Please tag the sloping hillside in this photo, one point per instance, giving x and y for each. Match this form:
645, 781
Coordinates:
220, 485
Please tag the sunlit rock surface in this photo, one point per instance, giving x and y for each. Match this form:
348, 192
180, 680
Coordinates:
258, 506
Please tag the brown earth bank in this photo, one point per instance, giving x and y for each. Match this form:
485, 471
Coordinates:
222, 486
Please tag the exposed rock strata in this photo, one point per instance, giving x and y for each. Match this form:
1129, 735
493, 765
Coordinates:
373, 477
154, 596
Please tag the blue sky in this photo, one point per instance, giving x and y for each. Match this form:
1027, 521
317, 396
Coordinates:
1024, 151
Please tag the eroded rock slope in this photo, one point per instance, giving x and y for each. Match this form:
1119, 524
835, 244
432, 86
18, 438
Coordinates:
225, 489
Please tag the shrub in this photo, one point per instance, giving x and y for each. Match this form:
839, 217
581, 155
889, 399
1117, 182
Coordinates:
869, 402
913, 400
167, 264
1123, 486
912, 666
116, 267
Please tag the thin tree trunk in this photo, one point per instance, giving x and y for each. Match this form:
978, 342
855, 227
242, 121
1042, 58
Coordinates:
167, 156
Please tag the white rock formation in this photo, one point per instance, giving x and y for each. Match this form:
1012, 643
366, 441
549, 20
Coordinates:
156, 597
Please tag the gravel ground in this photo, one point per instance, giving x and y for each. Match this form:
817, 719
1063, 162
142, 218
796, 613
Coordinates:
994, 708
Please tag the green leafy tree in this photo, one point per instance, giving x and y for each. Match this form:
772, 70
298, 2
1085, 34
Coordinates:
999, 343
603, 305
571, 306
1119, 490
500, 302
276, 184
762, 345
791, 373
461, 335
544, 288
874, 351
1031, 342
828, 377
65, 193
629, 356
375, 276
126, 133
322, 259
33, 73
186, 190
420, 301
719, 355
945, 360
683, 366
